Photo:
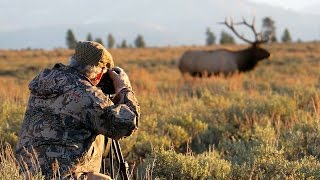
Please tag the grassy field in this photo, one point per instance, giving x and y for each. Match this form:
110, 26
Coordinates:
260, 125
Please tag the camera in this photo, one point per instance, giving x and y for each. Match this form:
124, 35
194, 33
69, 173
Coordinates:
106, 83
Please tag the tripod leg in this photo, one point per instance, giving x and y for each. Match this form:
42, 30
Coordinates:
111, 162
124, 167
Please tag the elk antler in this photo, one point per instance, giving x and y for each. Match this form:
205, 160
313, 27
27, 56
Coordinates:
258, 36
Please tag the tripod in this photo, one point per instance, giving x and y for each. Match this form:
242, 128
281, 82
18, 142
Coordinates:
115, 150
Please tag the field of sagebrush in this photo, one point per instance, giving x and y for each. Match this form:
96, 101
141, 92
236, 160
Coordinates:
264, 124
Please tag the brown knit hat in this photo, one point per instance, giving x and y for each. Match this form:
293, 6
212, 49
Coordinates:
92, 53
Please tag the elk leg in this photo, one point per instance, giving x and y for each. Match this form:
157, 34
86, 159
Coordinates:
193, 74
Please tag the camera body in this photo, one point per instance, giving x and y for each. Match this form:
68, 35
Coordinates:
106, 83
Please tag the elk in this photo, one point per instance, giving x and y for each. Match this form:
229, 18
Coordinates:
223, 61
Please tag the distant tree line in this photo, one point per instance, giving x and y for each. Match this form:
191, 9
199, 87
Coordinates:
268, 31
71, 41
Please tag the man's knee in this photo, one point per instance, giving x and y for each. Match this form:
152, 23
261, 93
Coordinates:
98, 176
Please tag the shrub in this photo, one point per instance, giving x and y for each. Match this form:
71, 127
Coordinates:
167, 164
11, 115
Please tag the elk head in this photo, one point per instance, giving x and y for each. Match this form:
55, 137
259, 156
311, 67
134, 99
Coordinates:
255, 50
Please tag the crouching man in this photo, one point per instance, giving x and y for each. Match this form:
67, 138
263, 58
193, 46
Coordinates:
68, 117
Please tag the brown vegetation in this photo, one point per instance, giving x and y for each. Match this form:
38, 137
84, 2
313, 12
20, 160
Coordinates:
263, 124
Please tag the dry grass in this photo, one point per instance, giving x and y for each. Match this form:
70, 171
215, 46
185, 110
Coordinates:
281, 97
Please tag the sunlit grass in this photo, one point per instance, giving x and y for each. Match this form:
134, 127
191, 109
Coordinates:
263, 124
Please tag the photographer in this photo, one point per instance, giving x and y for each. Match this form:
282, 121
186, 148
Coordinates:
68, 116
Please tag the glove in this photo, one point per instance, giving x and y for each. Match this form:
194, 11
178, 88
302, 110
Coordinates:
120, 79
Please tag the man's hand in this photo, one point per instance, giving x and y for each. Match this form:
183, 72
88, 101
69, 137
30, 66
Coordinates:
120, 79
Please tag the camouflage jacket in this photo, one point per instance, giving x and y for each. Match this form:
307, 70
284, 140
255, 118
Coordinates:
67, 119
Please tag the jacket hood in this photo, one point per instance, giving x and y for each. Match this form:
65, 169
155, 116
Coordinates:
52, 82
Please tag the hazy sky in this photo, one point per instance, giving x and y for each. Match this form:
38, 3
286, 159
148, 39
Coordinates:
299, 5
16, 14
43, 23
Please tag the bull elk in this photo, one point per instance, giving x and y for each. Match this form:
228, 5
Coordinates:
223, 61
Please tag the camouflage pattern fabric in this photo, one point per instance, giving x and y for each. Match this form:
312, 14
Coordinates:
66, 121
